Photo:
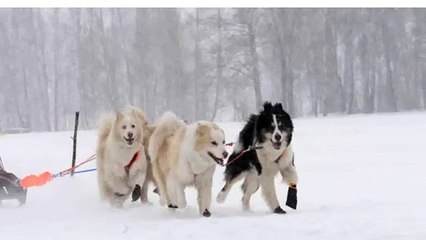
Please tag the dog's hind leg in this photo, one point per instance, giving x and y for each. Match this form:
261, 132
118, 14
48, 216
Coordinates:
269, 194
144, 192
250, 186
229, 182
180, 195
173, 188
162, 189
149, 178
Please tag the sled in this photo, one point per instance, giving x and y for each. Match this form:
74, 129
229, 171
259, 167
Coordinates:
10, 187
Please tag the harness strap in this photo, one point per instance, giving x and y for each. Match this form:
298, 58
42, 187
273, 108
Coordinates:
242, 153
280, 156
134, 159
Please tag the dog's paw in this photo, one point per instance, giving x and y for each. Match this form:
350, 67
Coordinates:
279, 210
136, 194
172, 206
146, 202
221, 197
206, 213
117, 194
163, 201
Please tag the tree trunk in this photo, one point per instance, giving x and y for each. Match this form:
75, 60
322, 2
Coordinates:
197, 67
349, 73
391, 101
39, 44
255, 63
56, 71
219, 64
130, 79
423, 76
287, 76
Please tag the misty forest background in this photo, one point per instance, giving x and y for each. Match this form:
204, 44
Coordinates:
213, 64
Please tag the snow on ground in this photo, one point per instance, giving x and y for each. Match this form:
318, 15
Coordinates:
361, 177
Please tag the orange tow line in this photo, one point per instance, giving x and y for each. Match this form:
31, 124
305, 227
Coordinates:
43, 178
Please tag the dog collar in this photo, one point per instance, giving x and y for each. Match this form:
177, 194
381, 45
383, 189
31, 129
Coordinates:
134, 159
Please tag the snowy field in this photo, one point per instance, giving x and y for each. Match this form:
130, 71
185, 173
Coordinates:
361, 177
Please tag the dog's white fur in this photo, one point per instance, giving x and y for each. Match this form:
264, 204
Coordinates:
113, 153
179, 155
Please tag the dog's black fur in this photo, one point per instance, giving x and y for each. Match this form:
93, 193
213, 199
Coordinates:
253, 134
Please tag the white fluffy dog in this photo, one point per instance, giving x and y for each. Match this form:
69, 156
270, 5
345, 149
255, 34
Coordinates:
183, 155
120, 154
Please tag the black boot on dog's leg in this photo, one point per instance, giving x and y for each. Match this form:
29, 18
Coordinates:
292, 197
279, 210
136, 194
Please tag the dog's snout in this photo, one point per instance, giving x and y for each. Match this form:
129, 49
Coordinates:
130, 134
277, 137
225, 154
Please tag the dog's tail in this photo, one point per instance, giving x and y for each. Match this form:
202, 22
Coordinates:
105, 126
166, 126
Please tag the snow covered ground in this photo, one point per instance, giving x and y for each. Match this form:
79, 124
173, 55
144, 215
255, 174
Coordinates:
361, 177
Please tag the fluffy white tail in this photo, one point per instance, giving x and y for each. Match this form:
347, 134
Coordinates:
165, 127
105, 126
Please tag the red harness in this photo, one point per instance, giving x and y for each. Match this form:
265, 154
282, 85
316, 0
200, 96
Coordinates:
134, 159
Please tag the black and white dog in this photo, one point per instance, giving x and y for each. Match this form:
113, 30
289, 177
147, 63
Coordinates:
269, 133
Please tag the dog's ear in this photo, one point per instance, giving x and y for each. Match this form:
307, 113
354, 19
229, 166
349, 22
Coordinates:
119, 116
279, 106
202, 129
267, 107
139, 115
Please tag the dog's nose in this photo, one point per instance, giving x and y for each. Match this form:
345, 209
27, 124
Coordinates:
130, 134
225, 154
277, 137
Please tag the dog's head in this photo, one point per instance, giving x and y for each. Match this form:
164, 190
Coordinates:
128, 128
210, 142
274, 124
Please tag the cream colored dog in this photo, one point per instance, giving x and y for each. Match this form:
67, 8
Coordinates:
183, 155
121, 156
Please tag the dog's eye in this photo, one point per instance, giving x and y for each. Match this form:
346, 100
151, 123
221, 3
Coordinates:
223, 142
214, 143
124, 127
133, 125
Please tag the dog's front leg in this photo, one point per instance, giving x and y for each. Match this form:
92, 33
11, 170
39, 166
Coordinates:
288, 171
118, 192
289, 175
203, 183
269, 194
118, 185
137, 181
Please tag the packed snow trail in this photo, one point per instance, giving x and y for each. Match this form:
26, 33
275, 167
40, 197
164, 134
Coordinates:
361, 177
